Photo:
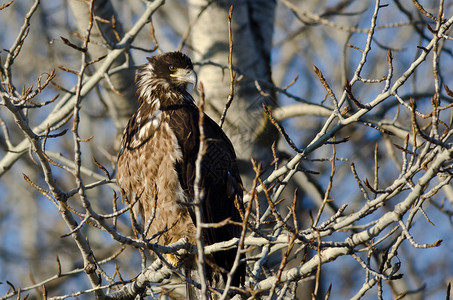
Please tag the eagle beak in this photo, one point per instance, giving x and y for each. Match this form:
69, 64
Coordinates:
186, 75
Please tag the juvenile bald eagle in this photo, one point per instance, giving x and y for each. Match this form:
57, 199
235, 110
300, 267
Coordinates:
157, 162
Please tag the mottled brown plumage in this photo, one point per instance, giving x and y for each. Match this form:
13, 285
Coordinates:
158, 156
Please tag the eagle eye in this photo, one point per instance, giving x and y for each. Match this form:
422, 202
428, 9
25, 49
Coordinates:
172, 68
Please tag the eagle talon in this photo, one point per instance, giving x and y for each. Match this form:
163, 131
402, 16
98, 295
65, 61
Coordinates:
172, 259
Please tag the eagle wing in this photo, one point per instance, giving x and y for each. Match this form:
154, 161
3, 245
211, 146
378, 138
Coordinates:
220, 180
140, 128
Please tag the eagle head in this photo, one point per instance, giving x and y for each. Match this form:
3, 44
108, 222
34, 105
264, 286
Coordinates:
167, 71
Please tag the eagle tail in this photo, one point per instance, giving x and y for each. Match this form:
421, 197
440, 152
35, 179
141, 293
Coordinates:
214, 278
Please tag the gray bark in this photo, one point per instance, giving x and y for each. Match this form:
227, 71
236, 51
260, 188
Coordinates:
246, 125
120, 99
252, 27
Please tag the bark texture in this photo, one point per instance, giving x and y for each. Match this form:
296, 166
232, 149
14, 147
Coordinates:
120, 91
252, 29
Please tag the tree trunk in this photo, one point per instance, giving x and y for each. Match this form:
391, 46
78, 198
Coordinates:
120, 99
246, 125
252, 29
